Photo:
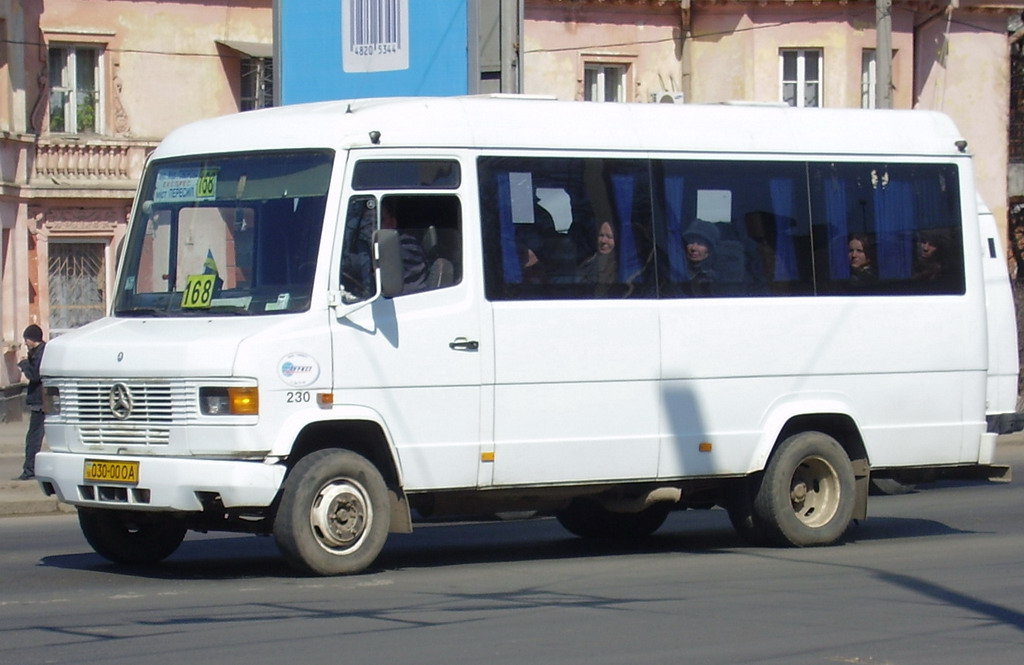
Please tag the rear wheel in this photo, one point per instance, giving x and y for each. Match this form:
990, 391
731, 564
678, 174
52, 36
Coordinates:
806, 495
334, 514
587, 518
126, 537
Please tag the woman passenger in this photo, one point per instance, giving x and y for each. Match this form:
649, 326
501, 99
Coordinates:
862, 259
602, 267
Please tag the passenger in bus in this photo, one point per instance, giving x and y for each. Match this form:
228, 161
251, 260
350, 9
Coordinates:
862, 260
929, 252
602, 267
700, 241
414, 259
528, 249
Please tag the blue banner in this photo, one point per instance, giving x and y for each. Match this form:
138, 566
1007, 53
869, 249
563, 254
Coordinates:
340, 49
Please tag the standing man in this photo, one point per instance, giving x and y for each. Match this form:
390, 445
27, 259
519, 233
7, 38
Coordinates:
30, 367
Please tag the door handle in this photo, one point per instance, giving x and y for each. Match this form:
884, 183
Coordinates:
463, 344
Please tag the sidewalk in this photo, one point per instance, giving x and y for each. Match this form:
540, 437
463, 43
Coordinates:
20, 497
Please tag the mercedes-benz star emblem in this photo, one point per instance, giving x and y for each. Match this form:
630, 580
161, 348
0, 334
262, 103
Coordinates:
121, 401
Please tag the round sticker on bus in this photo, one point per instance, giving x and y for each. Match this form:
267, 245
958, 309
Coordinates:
298, 369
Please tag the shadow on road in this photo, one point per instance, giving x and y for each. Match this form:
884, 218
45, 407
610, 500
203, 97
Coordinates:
437, 545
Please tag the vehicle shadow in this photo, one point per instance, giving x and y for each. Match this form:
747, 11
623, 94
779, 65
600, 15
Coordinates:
446, 544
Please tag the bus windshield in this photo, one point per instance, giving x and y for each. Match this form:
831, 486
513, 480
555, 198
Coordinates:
225, 235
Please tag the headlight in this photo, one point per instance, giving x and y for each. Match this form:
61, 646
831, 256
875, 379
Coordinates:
229, 401
51, 400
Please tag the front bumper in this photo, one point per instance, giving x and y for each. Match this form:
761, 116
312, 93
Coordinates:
165, 483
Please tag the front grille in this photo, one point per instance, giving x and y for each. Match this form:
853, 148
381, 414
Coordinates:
144, 435
155, 407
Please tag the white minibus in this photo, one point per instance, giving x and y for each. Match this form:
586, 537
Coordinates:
331, 320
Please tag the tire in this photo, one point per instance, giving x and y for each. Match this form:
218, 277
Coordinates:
587, 518
132, 538
334, 514
806, 495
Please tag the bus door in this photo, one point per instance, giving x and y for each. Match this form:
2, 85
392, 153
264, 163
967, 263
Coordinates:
414, 362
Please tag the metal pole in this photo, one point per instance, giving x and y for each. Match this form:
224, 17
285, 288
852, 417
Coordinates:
883, 54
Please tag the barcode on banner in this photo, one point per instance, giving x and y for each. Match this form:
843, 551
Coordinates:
375, 35
375, 24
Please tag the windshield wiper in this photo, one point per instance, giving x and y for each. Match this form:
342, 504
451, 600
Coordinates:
226, 309
142, 311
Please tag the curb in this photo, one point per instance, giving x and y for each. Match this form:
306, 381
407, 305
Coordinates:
19, 498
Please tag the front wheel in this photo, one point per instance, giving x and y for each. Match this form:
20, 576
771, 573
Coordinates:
334, 514
133, 538
806, 495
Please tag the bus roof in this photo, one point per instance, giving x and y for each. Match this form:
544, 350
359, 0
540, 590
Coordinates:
511, 122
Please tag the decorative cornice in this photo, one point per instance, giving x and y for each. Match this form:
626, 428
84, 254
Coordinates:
1014, 6
53, 220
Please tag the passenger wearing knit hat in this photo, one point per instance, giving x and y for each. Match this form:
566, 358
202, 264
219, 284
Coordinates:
700, 242
703, 232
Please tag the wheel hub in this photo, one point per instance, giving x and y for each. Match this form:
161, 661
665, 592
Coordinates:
814, 491
340, 515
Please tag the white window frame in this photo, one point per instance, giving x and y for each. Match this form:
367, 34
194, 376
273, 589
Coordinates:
802, 81
596, 81
68, 85
868, 78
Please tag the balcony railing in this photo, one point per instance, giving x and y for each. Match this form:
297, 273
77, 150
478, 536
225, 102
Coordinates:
88, 163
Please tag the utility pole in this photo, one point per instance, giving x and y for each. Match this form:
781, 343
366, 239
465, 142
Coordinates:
883, 54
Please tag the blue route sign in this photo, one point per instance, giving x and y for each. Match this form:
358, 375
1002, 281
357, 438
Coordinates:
340, 49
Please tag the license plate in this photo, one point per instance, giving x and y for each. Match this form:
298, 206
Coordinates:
110, 471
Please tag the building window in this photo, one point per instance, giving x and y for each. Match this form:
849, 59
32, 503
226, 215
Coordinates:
604, 83
257, 83
77, 283
74, 89
801, 77
868, 79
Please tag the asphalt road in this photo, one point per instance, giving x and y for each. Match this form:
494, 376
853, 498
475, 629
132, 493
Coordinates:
932, 577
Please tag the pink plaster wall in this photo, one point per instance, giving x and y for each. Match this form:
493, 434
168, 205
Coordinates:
559, 37
971, 84
164, 55
735, 52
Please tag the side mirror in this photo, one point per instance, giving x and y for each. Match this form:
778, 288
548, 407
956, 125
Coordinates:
388, 256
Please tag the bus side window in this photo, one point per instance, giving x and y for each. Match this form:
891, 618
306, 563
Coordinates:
892, 228
430, 230
565, 228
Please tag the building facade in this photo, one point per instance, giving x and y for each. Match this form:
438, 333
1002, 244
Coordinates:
87, 90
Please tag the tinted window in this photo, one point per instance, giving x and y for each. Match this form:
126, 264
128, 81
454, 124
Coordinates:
566, 228
406, 174
585, 228
430, 236
887, 228
732, 228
